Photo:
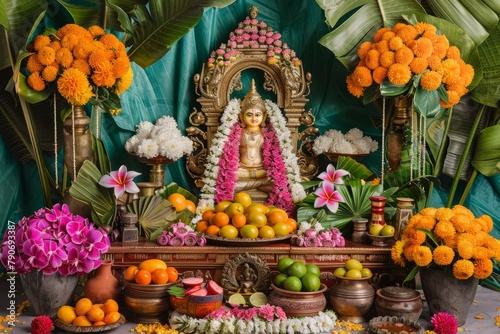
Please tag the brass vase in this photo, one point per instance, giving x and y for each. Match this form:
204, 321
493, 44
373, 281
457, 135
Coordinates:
77, 140
396, 132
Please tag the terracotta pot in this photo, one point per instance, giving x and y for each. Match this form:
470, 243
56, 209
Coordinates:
103, 285
299, 304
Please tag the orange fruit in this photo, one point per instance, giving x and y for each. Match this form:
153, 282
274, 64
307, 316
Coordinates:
212, 230
110, 305
201, 226
281, 229
129, 273
159, 276
112, 317
82, 320
238, 220
220, 219
173, 275
178, 201
257, 218
82, 306
249, 231
99, 323
221, 206
66, 313
242, 198
190, 205
292, 224
152, 264
228, 231
143, 277
95, 314
207, 215
277, 216
266, 232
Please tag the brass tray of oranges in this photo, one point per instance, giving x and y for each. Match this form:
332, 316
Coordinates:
88, 329
239, 242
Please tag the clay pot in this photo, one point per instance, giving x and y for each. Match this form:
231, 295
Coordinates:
299, 304
103, 285
352, 298
400, 302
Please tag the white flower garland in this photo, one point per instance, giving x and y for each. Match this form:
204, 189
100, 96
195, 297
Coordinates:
229, 117
324, 322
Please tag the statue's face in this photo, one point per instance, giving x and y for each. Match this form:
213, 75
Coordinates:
253, 117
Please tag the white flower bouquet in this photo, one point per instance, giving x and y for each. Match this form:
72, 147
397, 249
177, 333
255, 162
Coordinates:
353, 142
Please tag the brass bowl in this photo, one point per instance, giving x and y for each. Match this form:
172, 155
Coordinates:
149, 303
380, 240
352, 298
197, 306
299, 304
387, 324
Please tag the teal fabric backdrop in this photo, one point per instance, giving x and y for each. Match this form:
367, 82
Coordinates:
167, 88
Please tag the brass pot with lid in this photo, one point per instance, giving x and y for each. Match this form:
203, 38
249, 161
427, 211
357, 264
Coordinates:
399, 301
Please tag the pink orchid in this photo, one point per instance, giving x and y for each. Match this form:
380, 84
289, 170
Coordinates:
327, 195
332, 175
121, 180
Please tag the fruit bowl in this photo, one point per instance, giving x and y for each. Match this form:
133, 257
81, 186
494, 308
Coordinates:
380, 240
236, 242
148, 302
197, 306
298, 304
69, 328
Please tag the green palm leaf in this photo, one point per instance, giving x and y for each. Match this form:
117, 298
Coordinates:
487, 154
153, 214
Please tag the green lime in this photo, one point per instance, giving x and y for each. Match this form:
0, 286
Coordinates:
284, 263
237, 299
310, 282
292, 283
258, 299
312, 268
297, 269
279, 279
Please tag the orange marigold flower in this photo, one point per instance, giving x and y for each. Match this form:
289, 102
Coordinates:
110, 41
49, 73
450, 242
362, 76
96, 45
458, 88
409, 250
372, 59
489, 223
443, 40
467, 73
444, 214
399, 74
462, 209
398, 26
416, 237
430, 211
453, 98
422, 255
476, 229
386, 59
33, 64
36, 82
382, 46
439, 50
388, 35
74, 86
480, 252
467, 236
375, 181
404, 56
82, 65
397, 253
81, 51
40, 41
69, 41
377, 37
74, 29
425, 28
422, 47
427, 222
55, 44
418, 65
64, 57
379, 74
443, 255
462, 222
407, 33
103, 75
124, 82
430, 80
465, 249
395, 43
46, 55
451, 68
463, 269
483, 268
96, 31
434, 63
98, 57
444, 229
353, 88
363, 49
453, 53
121, 66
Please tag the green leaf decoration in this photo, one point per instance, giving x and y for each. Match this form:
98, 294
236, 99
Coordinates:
426, 102
101, 200
411, 275
356, 169
153, 213
487, 152
172, 188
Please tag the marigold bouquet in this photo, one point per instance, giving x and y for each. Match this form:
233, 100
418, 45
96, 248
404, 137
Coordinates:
54, 240
413, 59
85, 65
451, 239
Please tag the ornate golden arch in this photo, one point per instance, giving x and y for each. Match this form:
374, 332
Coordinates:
214, 86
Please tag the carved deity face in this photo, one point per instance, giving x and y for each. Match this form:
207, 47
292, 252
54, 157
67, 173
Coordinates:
253, 118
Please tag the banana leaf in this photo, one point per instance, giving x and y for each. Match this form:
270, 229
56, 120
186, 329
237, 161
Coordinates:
101, 200
153, 214
487, 152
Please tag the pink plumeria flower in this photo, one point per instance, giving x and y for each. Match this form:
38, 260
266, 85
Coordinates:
332, 175
121, 180
327, 195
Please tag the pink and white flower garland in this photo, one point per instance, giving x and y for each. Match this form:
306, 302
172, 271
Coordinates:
278, 160
315, 235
